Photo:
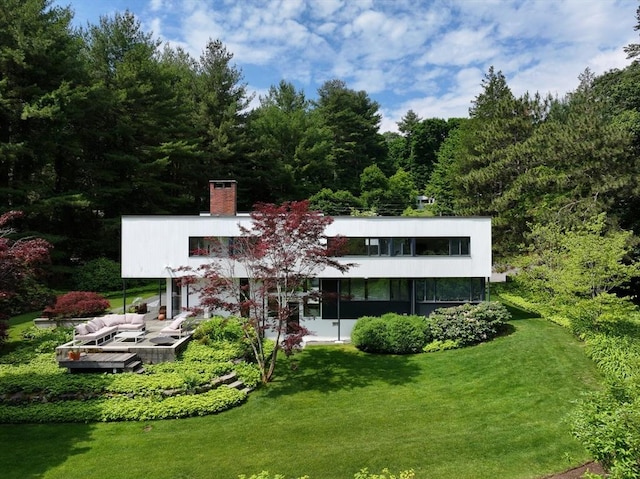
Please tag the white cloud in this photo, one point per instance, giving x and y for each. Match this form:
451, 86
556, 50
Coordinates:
425, 55
155, 5
461, 47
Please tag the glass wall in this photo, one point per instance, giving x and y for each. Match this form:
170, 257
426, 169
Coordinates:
449, 289
353, 298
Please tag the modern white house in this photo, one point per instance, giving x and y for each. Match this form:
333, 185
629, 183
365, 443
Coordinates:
408, 265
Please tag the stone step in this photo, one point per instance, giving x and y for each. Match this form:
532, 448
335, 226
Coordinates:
236, 384
226, 379
135, 367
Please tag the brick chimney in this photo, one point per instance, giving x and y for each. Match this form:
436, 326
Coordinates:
222, 197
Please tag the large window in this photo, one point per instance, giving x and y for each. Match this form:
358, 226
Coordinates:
355, 246
459, 246
431, 246
453, 289
449, 289
220, 246
374, 289
401, 247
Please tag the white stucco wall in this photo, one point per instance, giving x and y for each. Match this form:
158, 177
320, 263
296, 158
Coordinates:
154, 245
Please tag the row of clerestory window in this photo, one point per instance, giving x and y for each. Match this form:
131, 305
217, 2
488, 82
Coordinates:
360, 246
422, 246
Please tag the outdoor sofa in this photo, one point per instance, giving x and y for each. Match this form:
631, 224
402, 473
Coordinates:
103, 328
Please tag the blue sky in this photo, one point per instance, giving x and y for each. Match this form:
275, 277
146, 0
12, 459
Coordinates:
426, 55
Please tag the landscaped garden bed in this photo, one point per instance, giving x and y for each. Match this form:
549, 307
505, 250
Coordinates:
34, 389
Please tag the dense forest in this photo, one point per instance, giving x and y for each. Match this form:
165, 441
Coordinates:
105, 121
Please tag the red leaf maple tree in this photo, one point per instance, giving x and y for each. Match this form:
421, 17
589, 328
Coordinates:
19, 260
283, 249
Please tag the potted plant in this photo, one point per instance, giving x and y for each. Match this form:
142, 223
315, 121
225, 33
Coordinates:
74, 354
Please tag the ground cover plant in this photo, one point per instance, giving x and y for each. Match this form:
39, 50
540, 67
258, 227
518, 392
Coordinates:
34, 389
500, 406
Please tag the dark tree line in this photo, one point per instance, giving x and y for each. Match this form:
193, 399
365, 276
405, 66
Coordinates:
539, 160
104, 120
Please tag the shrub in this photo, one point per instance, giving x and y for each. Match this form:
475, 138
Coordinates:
77, 304
225, 330
391, 334
609, 428
370, 335
468, 324
4, 330
100, 274
219, 329
29, 296
406, 334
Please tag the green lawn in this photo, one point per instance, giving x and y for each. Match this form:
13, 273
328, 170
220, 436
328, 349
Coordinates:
493, 411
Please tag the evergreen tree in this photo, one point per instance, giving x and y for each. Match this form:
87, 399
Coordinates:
42, 104
130, 129
221, 101
486, 160
354, 121
292, 147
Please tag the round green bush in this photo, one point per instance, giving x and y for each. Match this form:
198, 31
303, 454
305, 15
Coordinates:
390, 334
219, 329
370, 335
406, 334
224, 330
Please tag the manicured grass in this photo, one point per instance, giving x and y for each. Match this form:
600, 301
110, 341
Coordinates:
18, 324
492, 411
116, 299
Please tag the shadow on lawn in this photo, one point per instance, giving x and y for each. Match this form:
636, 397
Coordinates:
30, 450
333, 368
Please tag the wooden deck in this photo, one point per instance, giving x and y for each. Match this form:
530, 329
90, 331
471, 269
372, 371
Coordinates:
103, 362
147, 351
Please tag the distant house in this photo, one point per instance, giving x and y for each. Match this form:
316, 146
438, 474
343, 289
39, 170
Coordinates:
408, 265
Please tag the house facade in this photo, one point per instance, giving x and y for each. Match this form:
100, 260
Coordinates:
407, 265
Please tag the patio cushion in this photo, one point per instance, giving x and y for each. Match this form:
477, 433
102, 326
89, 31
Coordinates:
98, 323
91, 327
135, 318
130, 327
176, 323
112, 319
81, 329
